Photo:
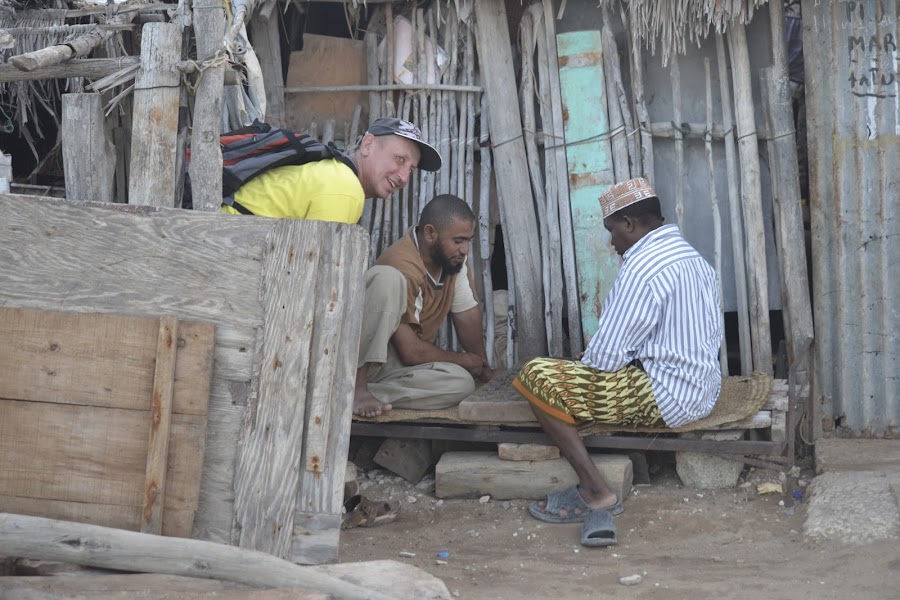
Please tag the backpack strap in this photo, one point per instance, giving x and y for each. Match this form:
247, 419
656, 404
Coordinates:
343, 157
230, 201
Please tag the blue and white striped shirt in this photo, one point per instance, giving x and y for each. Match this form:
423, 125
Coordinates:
664, 310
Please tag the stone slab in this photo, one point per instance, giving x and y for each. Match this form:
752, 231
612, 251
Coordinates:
475, 474
527, 452
407, 458
702, 471
833, 454
854, 507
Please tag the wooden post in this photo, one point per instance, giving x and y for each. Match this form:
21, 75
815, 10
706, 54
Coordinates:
616, 110
714, 205
675, 73
484, 228
264, 31
155, 124
734, 212
547, 221
372, 74
555, 152
751, 200
790, 244
788, 214
517, 205
206, 153
640, 104
88, 156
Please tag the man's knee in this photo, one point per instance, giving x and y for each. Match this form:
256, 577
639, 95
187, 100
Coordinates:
385, 284
458, 379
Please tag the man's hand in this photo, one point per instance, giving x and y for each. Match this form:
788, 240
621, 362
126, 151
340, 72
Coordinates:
488, 373
472, 363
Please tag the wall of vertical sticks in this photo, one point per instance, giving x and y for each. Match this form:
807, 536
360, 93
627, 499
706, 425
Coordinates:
493, 109
740, 134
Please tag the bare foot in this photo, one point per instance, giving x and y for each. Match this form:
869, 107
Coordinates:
367, 405
597, 500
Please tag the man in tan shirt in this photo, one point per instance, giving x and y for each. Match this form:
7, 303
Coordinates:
410, 291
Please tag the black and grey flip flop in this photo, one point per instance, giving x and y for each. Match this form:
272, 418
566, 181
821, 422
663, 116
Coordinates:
599, 529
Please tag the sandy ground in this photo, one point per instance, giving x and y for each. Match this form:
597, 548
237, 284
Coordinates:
683, 543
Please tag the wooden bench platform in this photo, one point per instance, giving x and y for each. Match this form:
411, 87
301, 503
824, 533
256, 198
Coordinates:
496, 413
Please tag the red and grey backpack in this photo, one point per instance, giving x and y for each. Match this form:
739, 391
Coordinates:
250, 151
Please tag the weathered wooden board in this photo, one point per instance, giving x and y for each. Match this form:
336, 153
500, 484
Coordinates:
84, 457
98, 360
233, 272
306, 374
590, 167
326, 61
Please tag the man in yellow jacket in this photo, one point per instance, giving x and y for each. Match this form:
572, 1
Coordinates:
328, 190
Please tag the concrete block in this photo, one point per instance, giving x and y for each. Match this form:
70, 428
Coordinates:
407, 458
475, 474
703, 471
527, 452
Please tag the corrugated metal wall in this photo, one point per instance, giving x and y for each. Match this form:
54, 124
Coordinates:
852, 90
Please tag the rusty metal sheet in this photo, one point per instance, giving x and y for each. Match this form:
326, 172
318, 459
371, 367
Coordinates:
852, 91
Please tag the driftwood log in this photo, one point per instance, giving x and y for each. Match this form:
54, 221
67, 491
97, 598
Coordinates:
92, 545
60, 53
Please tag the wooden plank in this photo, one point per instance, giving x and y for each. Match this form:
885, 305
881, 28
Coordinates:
75, 358
88, 159
206, 154
556, 154
734, 213
90, 68
96, 457
326, 61
779, 426
96, 546
517, 205
264, 32
299, 339
160, 420
155, 125
589, 166
531, 436
340, 284
751, 201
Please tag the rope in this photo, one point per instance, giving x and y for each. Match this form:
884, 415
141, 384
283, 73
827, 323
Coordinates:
8, 126
218, 59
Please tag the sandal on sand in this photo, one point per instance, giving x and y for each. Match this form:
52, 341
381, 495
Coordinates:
362, 512
351, 488
570, 502
598, 529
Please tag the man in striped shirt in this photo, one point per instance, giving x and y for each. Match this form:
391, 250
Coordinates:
653, 361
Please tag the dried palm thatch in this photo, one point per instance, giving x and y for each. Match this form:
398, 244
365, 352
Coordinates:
22, 102
671, 24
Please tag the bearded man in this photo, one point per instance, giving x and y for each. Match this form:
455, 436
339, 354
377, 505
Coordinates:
414, 285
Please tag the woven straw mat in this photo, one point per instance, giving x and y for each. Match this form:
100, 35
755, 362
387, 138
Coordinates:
741, 397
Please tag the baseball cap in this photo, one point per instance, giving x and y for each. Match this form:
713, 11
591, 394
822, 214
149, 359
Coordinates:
430, 160
624, 194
